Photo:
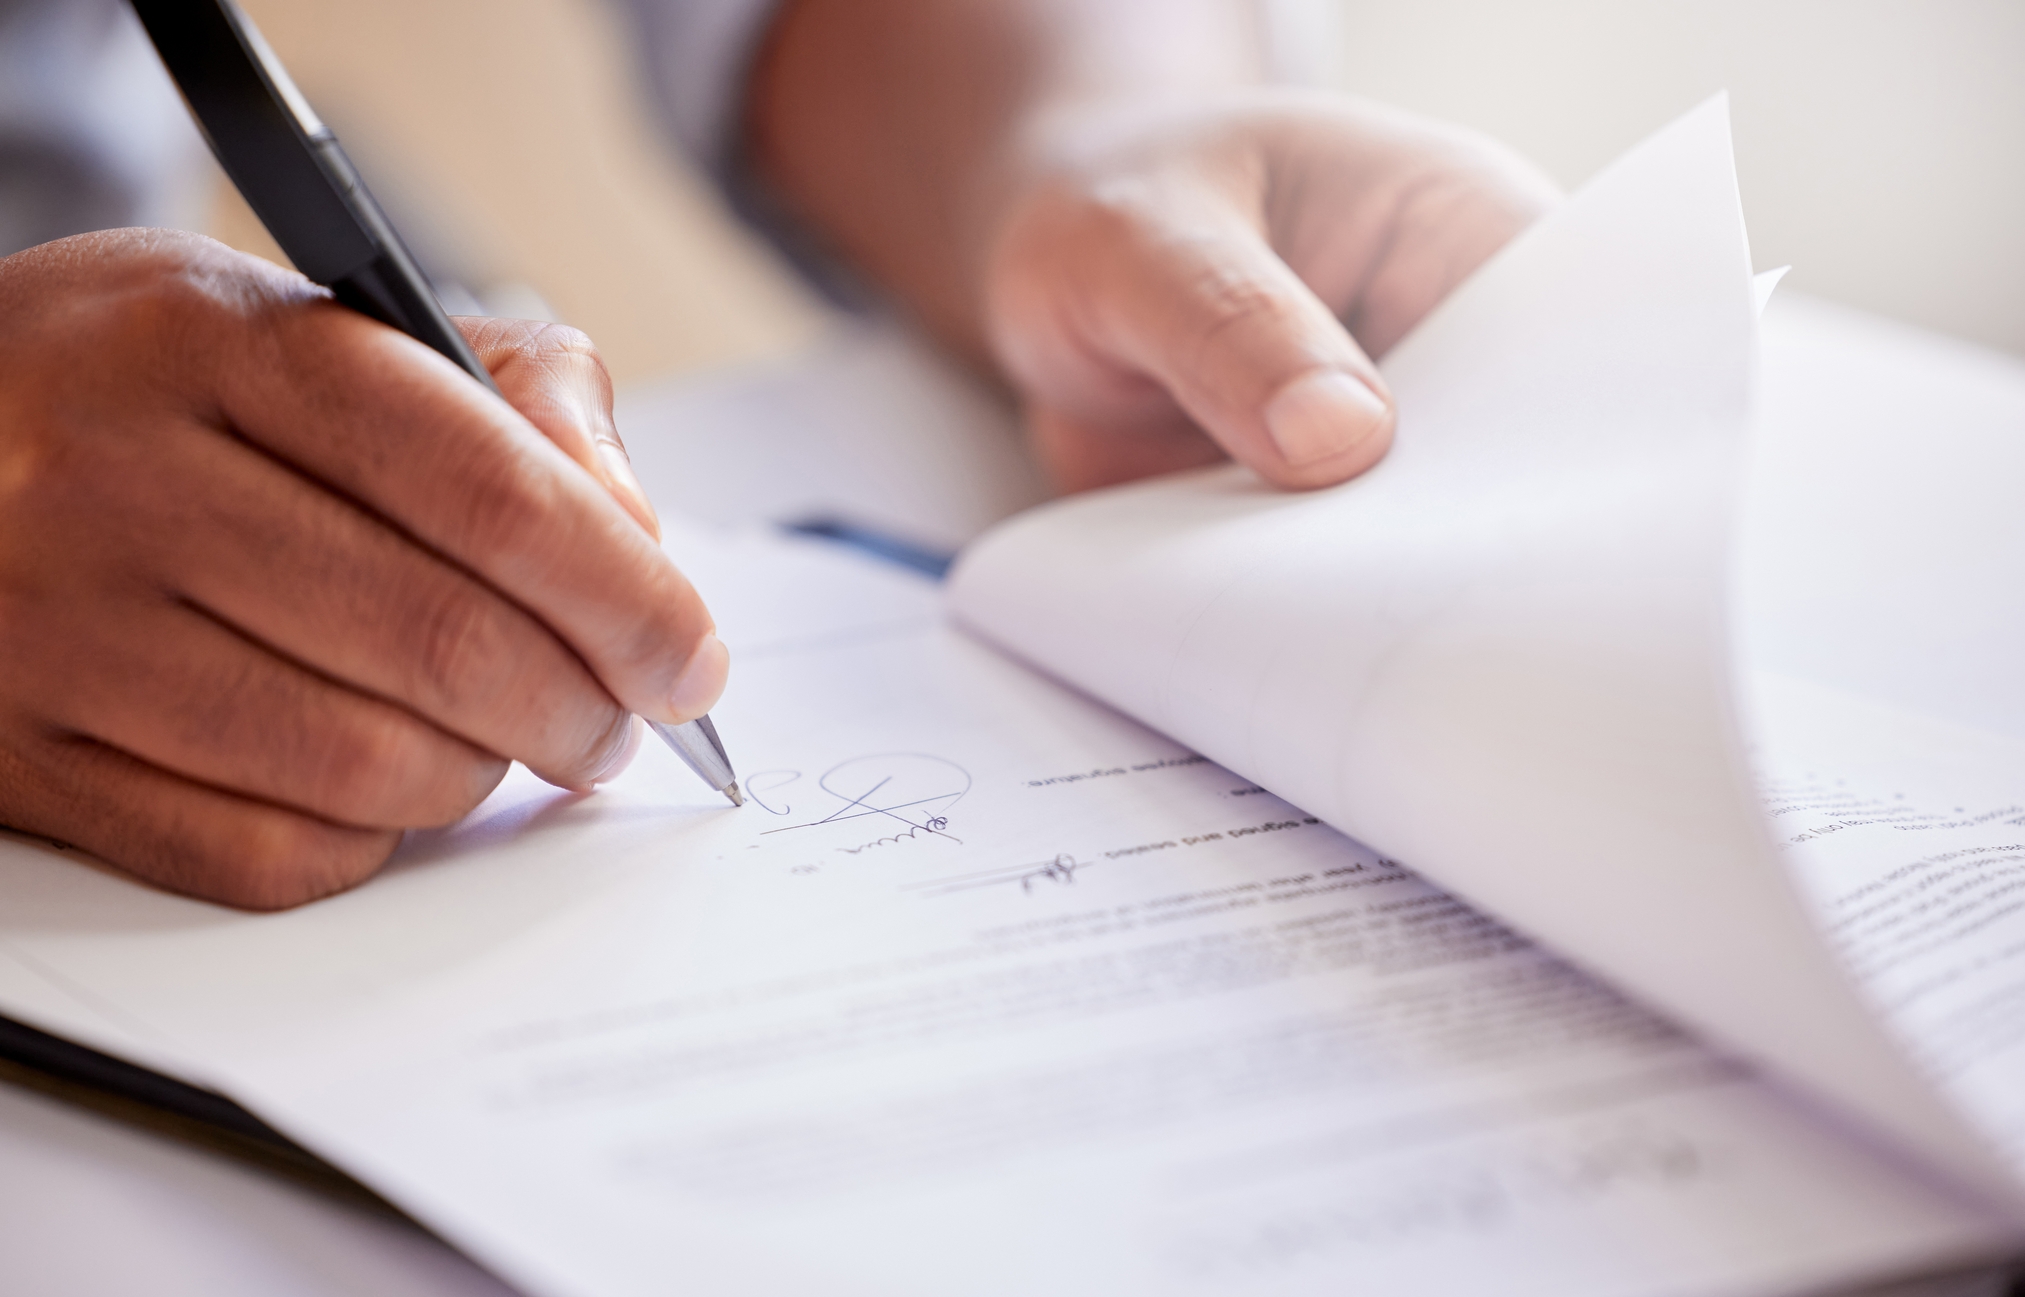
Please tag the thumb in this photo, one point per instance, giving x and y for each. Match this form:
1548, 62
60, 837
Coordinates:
554, 376
1219, 322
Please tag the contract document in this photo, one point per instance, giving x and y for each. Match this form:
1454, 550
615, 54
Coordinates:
1371, 890
1508, 654
991, 990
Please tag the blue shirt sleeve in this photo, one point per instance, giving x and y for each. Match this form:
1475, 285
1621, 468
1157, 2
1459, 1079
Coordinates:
92, 134
696, 56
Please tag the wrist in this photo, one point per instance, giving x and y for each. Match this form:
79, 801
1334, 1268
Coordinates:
902, 133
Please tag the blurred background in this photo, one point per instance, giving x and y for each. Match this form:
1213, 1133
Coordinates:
1880, 143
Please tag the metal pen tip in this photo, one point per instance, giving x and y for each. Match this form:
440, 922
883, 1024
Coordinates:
696, 742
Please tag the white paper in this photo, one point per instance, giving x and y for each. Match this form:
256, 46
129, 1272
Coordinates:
1764, 283
990, 990
1089, 1016
871, 427
1504, 654
1909, 832
1882, 542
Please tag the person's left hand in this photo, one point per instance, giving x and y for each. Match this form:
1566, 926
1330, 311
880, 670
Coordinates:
1168, 260
1175, 286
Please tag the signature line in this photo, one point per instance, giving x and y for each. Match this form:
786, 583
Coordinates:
859, 800
839, 817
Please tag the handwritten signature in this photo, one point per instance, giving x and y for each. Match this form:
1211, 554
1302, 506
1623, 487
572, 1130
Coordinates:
911, 790
1062, 869
934, 824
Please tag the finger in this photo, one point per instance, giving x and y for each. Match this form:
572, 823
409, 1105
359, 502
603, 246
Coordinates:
553, 374
1390, 216
1199, 304
1080, 456
321, 582
180, 835
181, 692
393, 425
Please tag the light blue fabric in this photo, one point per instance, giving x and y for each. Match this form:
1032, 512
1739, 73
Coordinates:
92, 135
695, 55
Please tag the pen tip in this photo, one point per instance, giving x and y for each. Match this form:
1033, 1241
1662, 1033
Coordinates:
731, 791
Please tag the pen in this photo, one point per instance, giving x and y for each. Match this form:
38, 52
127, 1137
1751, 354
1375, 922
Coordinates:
296, 178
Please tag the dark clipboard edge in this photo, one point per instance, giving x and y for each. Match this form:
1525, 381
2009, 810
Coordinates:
76, 1074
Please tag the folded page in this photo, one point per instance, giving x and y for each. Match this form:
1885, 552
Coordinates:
1909, 832
1504, 654
988, 990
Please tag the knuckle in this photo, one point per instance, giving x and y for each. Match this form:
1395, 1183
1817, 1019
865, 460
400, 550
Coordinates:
258, 857
549, 350
35, 460
1233, 303
392, 771
360, 771
520, 352
1476, 175
275, 861
1118, 204
473, 657
514, 509
569, 357
1116, 222
176, 302
455, 643
561, 340
183, 284
1468, 148
376, 771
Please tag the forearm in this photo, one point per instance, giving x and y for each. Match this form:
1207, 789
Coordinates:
898, 129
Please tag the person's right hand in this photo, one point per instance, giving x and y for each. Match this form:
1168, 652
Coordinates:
278, 582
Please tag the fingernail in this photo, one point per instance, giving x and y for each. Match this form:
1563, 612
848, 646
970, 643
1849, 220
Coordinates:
1323, 413
702, 679
619, 472
622, 756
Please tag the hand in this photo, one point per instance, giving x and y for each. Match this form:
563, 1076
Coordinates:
1180, 285
1101, 199
277, 582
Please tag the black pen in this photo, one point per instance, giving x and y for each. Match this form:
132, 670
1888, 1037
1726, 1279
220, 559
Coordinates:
304, 189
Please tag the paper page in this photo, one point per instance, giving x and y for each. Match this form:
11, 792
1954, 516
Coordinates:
34, 993
1763, 284
1910, 833
218, 981
989, 990
1881, 547
1882, 540
1503, 654
870, 427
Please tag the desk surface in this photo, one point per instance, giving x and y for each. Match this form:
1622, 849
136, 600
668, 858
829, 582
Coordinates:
88, 1206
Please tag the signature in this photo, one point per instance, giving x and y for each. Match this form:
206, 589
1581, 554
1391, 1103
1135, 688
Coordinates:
1062, 869
935, 824
909, 793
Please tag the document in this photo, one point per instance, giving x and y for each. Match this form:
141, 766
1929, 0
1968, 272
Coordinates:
989, 990
1909, 832
1506, 653
1209, 956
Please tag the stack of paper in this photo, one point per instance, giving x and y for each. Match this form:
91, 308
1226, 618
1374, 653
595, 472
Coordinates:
1239, 987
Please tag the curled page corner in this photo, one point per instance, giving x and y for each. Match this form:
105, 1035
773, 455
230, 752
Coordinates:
1764, 282
1503, 656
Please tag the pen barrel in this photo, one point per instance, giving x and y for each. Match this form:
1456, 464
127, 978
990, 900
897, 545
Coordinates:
390, 286
696, 742
293, 173
382, 290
